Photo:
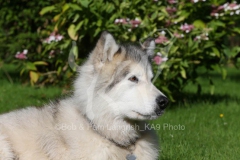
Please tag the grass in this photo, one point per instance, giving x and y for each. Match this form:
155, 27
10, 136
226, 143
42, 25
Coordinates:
16, 95
189, 130
206, 135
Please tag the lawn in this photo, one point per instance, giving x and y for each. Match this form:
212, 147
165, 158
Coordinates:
203, 127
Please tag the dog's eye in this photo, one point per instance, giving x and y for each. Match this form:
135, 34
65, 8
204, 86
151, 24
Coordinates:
133, 79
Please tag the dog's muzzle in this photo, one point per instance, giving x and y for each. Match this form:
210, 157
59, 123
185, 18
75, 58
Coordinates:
162, 102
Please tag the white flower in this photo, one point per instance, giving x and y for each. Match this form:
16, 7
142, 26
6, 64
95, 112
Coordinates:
182, 35
51, 38
163, 32
225, 5
237, 11
187, 31
164, 59
25, 51
129, 30
236, 7
216, 14
231, 13
198, 37
159, 54
195, 1
116, 20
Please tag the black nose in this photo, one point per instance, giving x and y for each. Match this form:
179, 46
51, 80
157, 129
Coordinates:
162, 102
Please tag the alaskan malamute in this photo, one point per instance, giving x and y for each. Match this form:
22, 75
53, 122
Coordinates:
102, 120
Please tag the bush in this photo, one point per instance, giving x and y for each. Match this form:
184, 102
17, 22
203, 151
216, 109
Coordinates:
195, 36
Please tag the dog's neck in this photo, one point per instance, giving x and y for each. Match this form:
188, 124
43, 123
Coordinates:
123, 133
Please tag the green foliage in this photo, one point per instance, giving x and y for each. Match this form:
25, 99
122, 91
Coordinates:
199, 43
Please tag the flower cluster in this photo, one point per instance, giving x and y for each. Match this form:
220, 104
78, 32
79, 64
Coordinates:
195, 1
161, 38
22, 55
186, 27
172, 1
54, 37
134, 23
203, 36
231, 8
178, 35
171, 10
158, 59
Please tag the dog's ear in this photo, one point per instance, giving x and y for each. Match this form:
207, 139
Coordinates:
149, 46
106, 48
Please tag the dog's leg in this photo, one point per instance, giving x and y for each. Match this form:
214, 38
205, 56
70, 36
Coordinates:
6, 152
147, 147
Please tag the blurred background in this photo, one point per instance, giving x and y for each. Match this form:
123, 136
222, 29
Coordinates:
197, 54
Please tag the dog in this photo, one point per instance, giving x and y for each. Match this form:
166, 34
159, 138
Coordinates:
103, 119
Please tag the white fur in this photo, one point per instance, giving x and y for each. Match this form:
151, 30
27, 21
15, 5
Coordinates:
63, 131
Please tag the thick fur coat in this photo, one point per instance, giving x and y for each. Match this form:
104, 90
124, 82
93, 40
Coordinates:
103, 119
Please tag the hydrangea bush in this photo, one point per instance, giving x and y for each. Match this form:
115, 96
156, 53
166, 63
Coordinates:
197, 34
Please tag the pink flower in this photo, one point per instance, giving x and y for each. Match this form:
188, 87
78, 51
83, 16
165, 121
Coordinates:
53, 38
187, 28
233, 6
171, 10
134, 23
158, 59
22, 55
58, 37
161, 39
120, 21
177, 35
172, 1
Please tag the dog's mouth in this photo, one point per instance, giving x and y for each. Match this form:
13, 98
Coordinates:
143, 115
148, 116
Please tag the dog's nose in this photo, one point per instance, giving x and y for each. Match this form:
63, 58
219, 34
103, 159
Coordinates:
162, 102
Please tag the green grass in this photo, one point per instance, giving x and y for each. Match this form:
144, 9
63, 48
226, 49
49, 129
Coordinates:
16, 95
204, 134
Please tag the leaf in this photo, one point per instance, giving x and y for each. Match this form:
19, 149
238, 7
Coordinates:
47, 9
216, 52
65, 7
236, 30
40, 63
31, 66
33, 76
212, 87
199, 24
183, 73
154, 15
59, 70
168, 92
75, 6
99, 22
84, 3
224, 73
56, 18
72, 32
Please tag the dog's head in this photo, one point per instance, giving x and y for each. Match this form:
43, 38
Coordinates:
118, 79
